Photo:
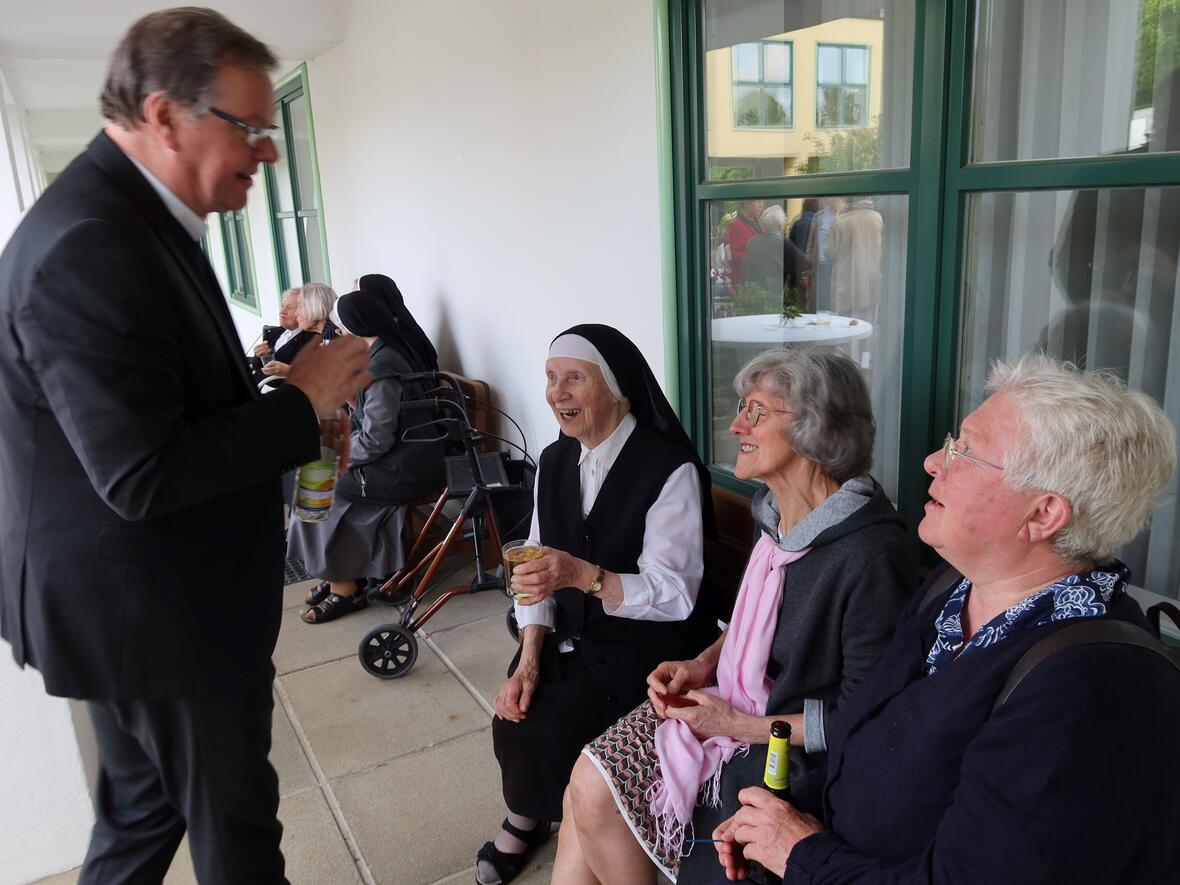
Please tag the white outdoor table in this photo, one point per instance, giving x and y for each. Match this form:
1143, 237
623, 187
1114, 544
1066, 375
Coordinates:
767, 328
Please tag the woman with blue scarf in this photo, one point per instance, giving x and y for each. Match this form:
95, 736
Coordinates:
936, 772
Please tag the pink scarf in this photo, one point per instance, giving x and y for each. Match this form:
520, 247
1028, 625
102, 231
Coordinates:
688, 764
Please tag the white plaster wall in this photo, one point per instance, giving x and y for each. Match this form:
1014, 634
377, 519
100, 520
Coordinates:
499, 161
45, 811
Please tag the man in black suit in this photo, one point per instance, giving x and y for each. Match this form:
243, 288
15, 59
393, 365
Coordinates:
141, 536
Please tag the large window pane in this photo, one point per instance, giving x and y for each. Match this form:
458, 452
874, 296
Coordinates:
281, 194
843, 257
290, 252
1091, 276
301, 151
849, 66
1075, 78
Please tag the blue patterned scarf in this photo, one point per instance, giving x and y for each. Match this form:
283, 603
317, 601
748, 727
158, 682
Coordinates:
1084, 595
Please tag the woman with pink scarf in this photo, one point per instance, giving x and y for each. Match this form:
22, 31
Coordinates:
830, 570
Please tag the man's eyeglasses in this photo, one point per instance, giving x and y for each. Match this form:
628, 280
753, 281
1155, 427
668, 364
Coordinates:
752, 411
253, 134
949, 452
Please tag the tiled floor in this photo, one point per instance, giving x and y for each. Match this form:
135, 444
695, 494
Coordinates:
386, 781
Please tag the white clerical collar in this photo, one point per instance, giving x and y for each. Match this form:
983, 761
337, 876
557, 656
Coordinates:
608, 450
193, 224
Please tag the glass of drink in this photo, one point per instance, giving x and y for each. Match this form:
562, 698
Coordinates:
516, 552
823, 318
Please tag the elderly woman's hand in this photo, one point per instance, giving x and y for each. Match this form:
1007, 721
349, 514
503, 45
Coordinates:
274, 367
713, 717
514, 697
676, 677
766, 828
551, 571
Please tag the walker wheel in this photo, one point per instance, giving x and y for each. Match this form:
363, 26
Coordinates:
388, 651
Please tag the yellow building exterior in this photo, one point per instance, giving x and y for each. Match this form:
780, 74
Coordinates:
763, 147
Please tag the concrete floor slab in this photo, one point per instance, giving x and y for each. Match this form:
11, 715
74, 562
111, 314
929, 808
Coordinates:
464, 609
422, 817
303, 645
287, 756
293, 594
481, 650
355, 721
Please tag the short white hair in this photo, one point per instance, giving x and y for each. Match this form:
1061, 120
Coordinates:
294, 290
317, 300
1085, 436
773, 219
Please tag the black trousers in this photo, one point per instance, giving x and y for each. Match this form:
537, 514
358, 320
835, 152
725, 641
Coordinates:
195, 764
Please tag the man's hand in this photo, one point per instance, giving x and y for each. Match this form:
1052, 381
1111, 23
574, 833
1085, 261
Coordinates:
274, 367
551, 571
512, 700
261, 349
330, 374
766, 829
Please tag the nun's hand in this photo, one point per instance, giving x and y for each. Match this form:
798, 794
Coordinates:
552, 570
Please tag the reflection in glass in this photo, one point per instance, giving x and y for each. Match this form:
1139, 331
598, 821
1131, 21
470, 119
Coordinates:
799, 88
283, 200
1062, 78
1090, 276
775, 267
301, 144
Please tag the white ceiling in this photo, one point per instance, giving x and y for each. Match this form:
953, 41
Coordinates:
53, 54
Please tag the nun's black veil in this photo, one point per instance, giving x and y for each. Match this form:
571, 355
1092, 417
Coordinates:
408, 336
648, 403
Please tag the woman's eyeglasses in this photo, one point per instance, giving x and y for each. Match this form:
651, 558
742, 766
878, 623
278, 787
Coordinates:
752, 411
949, 453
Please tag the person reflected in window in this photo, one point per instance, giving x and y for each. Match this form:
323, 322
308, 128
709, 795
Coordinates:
313, 310
801, 226
772, 261
743, 227
1116, 262
817, 250
854, 248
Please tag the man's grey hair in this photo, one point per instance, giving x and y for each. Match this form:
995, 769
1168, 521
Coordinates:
287, 293
831, 422
177, 52
316, 301
773, 219
1085, 436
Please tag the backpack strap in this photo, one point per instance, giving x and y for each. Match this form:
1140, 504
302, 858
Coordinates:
950, 578
1091, 631
1162, 608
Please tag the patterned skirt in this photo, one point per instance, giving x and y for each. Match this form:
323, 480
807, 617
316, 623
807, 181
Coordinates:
625, 755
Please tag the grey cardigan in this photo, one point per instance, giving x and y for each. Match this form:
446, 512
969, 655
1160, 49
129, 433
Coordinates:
839, 609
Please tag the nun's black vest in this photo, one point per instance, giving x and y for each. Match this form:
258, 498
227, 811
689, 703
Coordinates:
611, 536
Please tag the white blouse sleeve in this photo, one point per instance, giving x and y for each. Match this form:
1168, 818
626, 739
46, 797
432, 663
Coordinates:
673, 559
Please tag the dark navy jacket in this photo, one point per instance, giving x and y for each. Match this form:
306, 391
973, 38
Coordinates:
1075, 779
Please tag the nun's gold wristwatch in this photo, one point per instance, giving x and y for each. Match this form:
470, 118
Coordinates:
596, 584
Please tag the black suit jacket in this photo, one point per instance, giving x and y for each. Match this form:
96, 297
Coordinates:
141, 544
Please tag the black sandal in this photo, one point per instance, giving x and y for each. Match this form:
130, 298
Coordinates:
319, 594
506, 864
336, 606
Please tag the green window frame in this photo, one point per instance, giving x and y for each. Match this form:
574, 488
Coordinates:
239, 265
938, 182
761, 88
290, 227
843, 88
